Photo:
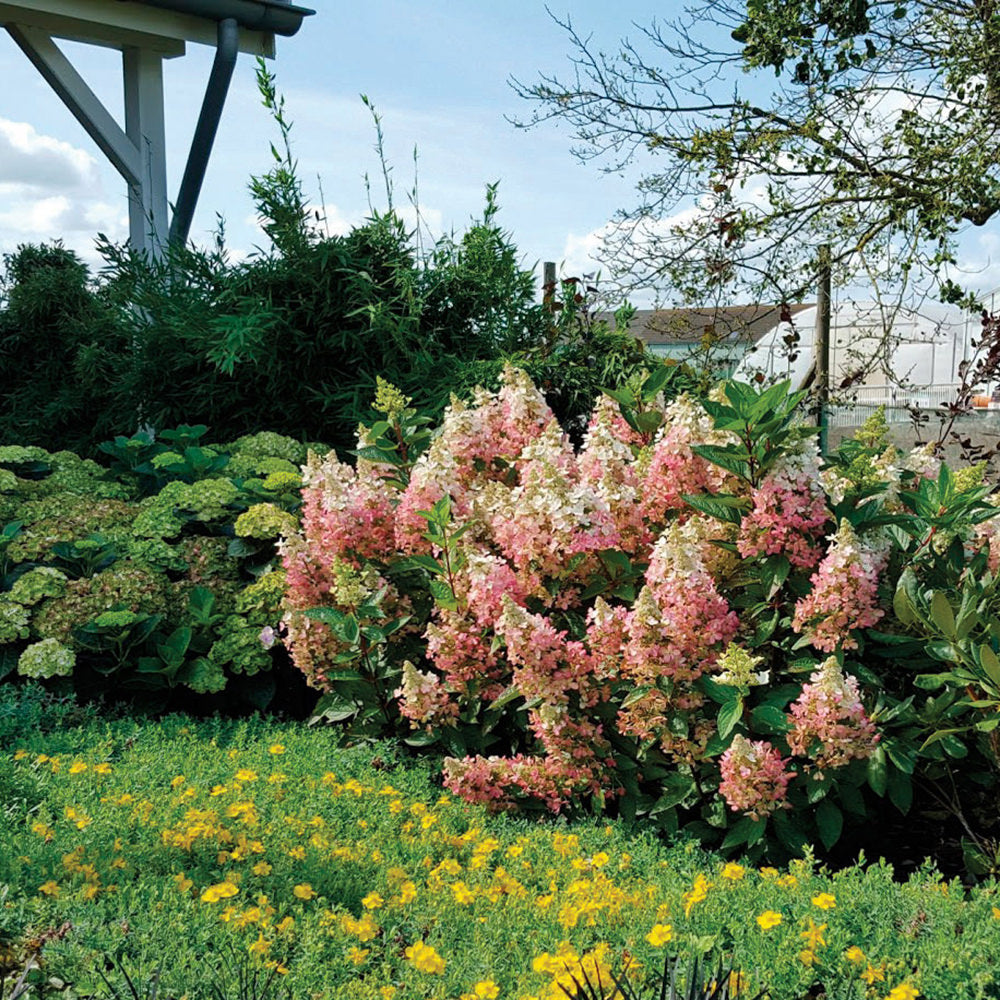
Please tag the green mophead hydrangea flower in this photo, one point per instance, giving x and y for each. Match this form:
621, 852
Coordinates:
268, 444
38, 583
261, 600
206, 500
66, 517
156, 520
283, 481
48, 658
249, 467
119, 619
240, 647
135, 587
82, 477
204, 676
155, 553
264, 520
16, 454
13, 621
166, 458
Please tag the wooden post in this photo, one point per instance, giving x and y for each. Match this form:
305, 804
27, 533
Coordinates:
822, 347
549, 284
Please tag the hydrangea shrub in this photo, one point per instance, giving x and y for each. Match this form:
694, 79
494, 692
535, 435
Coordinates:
676, 620
153, 577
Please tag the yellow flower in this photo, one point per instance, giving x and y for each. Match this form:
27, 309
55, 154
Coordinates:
425, 958
769, 919
697, 893
298, 853
276, 748
733, 871
600, 859
387, 992
904, 991
183, 882
872, 975
177, 781
660, 935
245, 774
260, 946
787, 881
854, 954
486, 989
825, 901
814, 935
49, 888
304, 891
358, 955
996, 912
102, 768
372, 901
221, 890
407, 892
20, 755
807, 957
77, 767
218, 790
463, 894
262, 868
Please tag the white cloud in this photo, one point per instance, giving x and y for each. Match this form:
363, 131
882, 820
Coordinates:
31, 162
52, 190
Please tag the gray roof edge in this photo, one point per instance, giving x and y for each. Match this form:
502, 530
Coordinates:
278, 16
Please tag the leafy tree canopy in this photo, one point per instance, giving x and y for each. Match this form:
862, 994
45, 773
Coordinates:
769, 127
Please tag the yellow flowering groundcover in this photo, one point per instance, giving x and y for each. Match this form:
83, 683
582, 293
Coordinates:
349, 874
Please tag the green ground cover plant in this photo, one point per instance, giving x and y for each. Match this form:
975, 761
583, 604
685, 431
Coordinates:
350, 874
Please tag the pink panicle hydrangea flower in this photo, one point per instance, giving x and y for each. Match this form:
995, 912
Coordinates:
548, 516
477, 443
844, 595
672, 468
460, 650
986, 535
497, 782
694, 618
606, 637
497, 425
547, 665
607, 466
789, 507
829, 722
672, 634
423, 699
346, 514
754, 778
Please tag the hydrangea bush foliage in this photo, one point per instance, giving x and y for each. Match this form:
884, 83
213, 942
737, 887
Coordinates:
693, 617
151, 577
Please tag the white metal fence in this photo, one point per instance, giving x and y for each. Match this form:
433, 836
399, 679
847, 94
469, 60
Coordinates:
858, 404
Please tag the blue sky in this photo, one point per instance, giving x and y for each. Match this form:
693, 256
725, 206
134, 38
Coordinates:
436, 71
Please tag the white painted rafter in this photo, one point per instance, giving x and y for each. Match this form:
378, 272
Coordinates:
83, 103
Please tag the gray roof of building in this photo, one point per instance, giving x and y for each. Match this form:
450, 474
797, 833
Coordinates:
723, 323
